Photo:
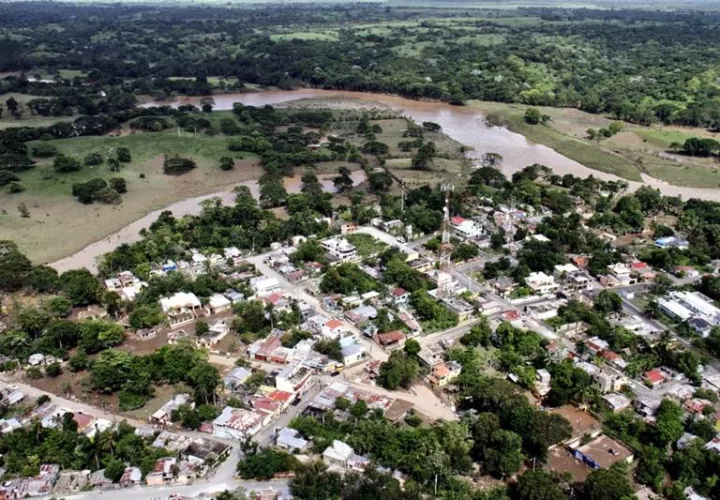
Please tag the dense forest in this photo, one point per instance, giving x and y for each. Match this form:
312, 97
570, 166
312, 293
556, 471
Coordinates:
638, 65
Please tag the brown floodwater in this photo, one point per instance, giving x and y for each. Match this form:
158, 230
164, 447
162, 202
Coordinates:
463, 124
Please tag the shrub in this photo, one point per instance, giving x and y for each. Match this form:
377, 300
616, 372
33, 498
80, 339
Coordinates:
15, 187
7, 177
226, 163
176, 165
123, 155
85, 192
94, 159
44, 150
34, 373
64, 164
53, 369
119, 184
108, 196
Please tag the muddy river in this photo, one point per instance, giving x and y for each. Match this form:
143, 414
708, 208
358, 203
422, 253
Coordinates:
463, 124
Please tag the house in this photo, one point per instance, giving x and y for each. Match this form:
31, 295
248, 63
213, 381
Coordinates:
352, 351
234, 296
602, 452
215, 334
278, 302
237, 423
503, 285
164, 414
177, 336
686, 271
654, 377
217, 303
181, 308
616, 402
596, 345
236, 377
400, 296
390, 340
131, 477
541, 283
564, 270
264, 286
647, 406
340, 249
410, 323
466, 229
295, 378
685, 440
333, 328
162, 472
338, 454
463, 309
620, 274
542, 382
291, 440
444, 373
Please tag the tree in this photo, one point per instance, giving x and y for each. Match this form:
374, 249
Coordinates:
146, 316
568, 384
536, 485
398, 371
668, 423
343, 182
330, 348
608, 484
272, 194
114, 470
412, 347
15, 268
608, 302
80, 286
94, 159
314, 482
53, 369
227, 163
175, 165
113, 164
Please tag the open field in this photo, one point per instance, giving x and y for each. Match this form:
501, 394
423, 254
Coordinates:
634, 151
59, 224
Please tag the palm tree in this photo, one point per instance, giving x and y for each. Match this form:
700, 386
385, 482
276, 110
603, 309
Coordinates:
106, 442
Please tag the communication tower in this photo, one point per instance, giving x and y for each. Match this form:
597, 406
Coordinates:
446, 247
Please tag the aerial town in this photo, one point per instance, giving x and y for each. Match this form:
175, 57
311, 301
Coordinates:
375, 319
330, 250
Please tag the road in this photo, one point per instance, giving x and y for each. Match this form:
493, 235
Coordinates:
299, 293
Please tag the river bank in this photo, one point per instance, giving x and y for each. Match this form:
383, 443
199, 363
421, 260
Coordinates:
465, 125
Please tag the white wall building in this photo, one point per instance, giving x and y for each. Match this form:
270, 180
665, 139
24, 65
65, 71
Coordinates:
341, 249
541, 283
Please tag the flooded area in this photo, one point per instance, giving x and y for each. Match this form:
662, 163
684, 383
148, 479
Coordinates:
463, 124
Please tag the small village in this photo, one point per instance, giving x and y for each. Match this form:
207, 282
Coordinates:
335, 332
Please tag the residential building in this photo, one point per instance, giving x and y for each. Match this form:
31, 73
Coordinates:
294, 378
264, 286
616, 402
181, 308
542, 382
291, 440
162, 472
541, 283
218, 303
444, 373
400, 296
340, 249
463, 309
390, 340
352, 351
164, 414
602, 452
236, 378
215, 334
672, 242
236, 423
466, 229
564, 270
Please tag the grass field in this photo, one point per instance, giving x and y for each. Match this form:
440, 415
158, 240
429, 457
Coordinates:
634, 151
59, 225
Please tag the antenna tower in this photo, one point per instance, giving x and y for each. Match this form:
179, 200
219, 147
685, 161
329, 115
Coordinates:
446, 247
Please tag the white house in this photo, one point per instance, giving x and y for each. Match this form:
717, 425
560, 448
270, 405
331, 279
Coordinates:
340, 249
182, 307
541, 283
264, 286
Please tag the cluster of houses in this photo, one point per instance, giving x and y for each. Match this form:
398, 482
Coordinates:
192, 457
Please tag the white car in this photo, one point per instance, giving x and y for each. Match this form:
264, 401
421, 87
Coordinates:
401, 239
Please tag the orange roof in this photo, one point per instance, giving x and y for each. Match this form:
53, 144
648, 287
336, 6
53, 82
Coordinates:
609, 355
654, 376
334, 323
280, 396
399, 292
441, 370
390, 337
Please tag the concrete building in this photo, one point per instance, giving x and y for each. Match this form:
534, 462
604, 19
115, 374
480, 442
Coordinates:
541, 283
340, 249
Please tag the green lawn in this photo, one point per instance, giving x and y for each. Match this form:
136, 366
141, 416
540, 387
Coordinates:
147, 151
664, 137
